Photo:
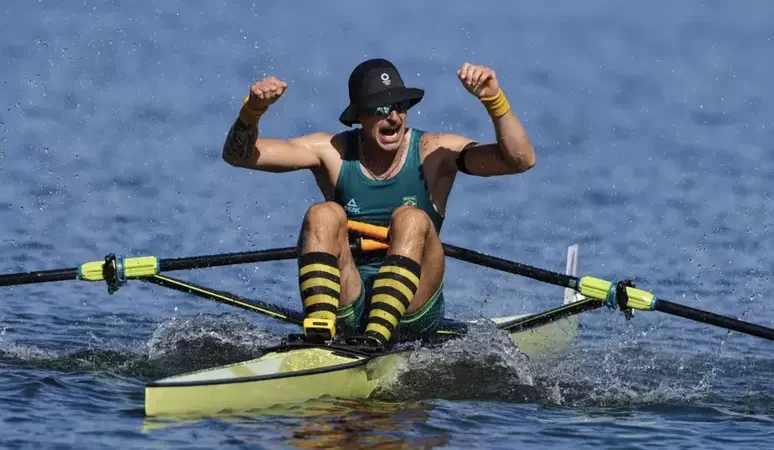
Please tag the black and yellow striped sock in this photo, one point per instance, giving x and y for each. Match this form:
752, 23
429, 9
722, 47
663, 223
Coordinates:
320, 283
394, 288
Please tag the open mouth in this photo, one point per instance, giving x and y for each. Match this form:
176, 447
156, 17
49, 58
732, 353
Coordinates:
389, 130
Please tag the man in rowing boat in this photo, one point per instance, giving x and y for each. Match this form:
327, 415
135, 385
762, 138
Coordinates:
382, 173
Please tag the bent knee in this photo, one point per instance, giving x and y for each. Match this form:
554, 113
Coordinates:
410, 216
325, 214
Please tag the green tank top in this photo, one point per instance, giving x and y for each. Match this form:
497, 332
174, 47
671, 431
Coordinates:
373, 201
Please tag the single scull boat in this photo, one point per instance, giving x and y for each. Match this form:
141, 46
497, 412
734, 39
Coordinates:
297, 370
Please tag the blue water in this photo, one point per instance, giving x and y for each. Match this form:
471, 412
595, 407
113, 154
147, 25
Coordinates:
653, 125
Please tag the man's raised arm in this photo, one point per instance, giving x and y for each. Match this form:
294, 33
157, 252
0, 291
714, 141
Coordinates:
512, 152
243, 147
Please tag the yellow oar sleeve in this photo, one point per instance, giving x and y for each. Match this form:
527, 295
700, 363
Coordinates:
597, 288
141, 266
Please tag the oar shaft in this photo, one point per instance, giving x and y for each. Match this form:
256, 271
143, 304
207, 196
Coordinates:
138, 267
516, 268
165, 265
226, 259
43, 276
710, 318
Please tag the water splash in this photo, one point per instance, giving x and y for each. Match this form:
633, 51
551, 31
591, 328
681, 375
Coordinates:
622, 375
176, 346
483, 365
207, 340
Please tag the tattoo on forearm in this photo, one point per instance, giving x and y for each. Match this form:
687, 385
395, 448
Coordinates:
240, 140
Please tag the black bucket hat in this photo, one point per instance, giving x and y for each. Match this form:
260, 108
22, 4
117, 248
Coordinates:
374, 83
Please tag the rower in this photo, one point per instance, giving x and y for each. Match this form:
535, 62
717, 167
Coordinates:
382, 173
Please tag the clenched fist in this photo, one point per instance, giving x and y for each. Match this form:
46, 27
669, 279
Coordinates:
480, 81
265, 92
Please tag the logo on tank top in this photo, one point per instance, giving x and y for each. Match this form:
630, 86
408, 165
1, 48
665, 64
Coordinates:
410, 200
351, 207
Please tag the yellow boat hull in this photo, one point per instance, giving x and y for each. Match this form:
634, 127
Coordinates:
275, 378
298, 375
303, 372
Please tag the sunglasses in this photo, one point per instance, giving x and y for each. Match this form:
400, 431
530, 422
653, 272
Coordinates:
385, 110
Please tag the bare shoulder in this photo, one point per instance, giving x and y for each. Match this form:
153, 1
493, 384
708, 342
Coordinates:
318, 141
328, 147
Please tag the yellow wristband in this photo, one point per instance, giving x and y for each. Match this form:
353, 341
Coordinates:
250, 116
496, 105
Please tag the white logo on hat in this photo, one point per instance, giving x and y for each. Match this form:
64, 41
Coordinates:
386, 79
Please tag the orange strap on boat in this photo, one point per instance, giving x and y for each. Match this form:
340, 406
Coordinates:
367, 229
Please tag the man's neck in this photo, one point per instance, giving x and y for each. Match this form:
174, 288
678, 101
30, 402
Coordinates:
379, 161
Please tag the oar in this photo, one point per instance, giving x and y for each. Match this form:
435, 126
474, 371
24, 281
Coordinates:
143, 266
116, 269
598, 292
606, 293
